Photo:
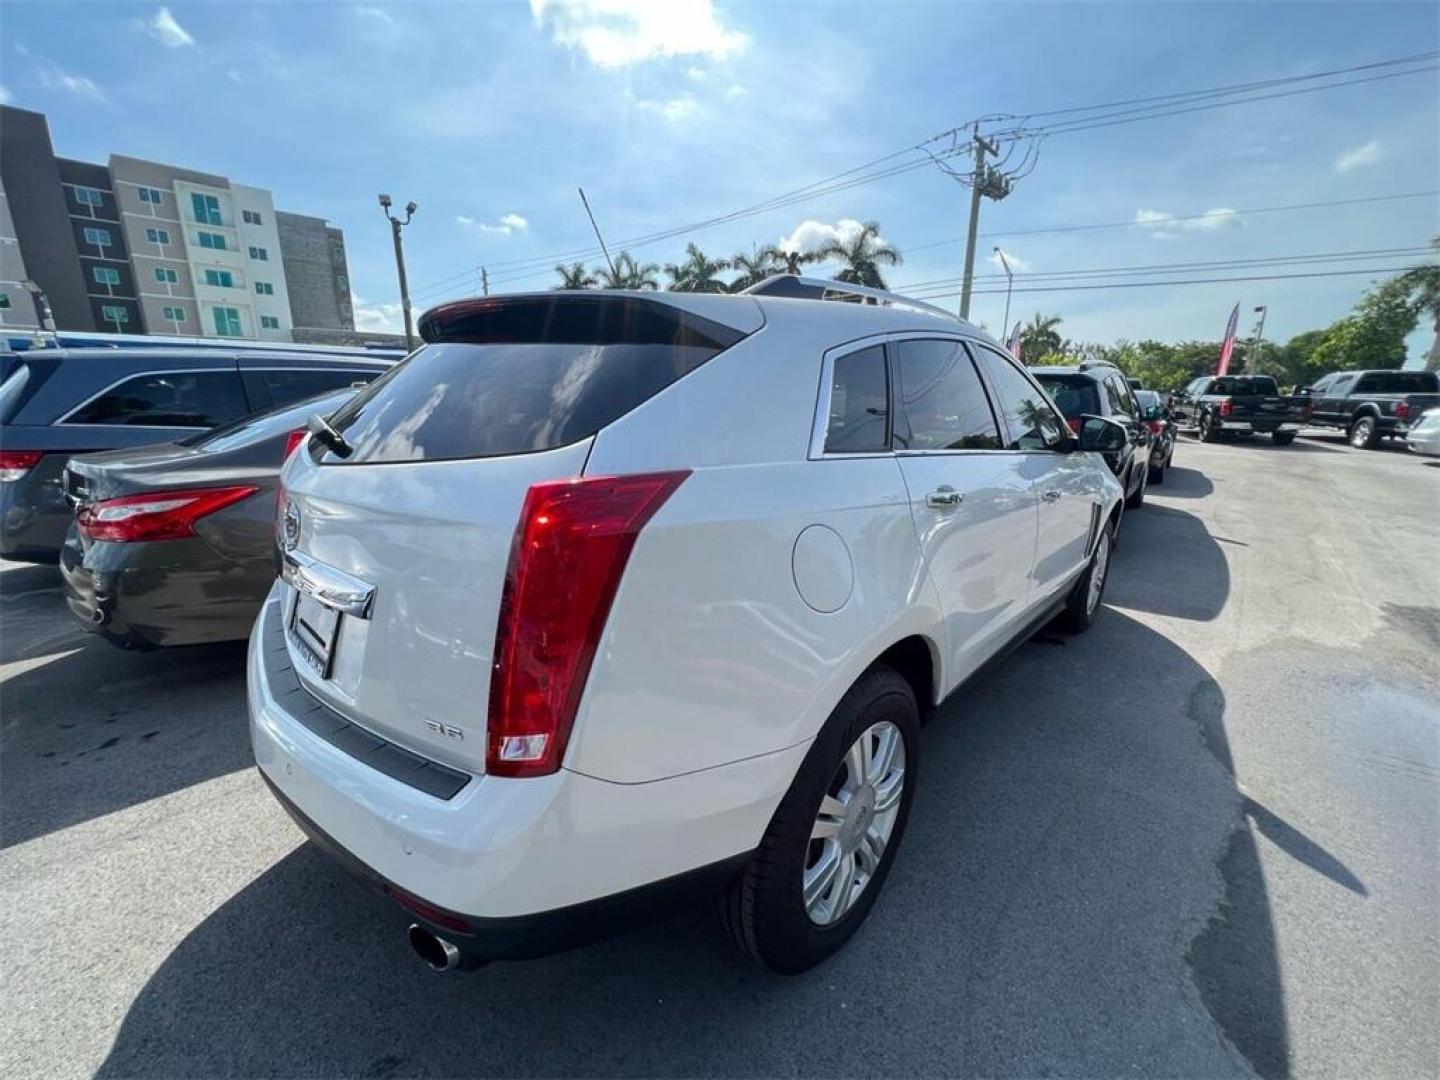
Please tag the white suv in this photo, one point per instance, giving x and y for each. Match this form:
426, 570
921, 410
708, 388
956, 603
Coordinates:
602, 601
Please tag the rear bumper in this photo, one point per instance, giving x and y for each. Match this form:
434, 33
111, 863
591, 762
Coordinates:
530, 865
33, 519
174, 592
1261, 426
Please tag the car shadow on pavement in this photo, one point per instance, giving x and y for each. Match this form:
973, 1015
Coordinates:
1079, 892
1168, 563
1185, 483
90, 729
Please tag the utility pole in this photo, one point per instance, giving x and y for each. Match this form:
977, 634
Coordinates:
484, 281
993, 185
1009, 284
395, 226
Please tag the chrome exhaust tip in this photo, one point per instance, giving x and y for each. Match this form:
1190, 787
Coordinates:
440, 954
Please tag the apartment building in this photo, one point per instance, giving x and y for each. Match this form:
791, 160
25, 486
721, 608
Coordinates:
163, 249
17, 308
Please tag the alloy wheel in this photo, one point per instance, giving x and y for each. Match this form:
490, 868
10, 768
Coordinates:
1097, 574
856, 819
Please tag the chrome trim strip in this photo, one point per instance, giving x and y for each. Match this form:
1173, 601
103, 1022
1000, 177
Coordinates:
334, 588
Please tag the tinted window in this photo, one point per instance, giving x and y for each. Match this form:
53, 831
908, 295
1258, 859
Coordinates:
858, 403
301, 383
1241, 385
940, 401
168, 399
1118, 394
1075, 396
267, 425
1032, 422
1398, 382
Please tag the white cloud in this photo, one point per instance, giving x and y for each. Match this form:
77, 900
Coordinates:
4, 95
1165, 226
735, 91
1368, 154
614, 33
507, 224
1017, 264
164, 28
52, 78
811, 235
380, 15
674, 110
378, 318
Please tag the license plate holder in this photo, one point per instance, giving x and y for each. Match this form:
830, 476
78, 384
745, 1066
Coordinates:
315, 628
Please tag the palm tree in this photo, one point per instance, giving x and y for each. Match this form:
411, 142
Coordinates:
1423, 285
628, 274
788, 262
754, 268
862, 257
1040, 337
697, 273
575, 276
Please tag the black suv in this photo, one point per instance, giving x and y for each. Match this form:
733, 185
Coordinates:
1101, 390
58, 402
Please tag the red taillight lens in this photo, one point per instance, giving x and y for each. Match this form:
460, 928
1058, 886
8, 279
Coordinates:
1402, 409
157, 515
16, 463
292, 441
429, 912
1226, 406
1075, 424
1157, 427
570, 550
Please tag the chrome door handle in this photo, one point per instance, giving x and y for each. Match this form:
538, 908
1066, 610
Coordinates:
1051, 496
943, 498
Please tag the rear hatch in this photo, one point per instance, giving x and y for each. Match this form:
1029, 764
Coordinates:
1074, 395
421, 502
1258, 397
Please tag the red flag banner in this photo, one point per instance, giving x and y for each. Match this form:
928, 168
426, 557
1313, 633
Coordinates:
1229, 344
1014, 343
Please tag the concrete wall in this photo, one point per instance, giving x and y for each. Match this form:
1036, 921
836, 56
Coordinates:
17, 309
316, 272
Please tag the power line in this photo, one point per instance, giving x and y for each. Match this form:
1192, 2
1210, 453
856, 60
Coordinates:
1189, 281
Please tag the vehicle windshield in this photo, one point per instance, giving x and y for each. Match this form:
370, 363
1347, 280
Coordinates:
1073, 395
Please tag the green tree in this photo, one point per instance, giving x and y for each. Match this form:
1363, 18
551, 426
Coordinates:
628, 274
698, 273
789, 262
1040, 336
861, 257
575, 276
1373, 336
1423, 286
752, 269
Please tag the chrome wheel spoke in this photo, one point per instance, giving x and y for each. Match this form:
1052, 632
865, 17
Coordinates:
830, 819
871, 849
845, 890
855, 761
887, 795
820, 878
884, 755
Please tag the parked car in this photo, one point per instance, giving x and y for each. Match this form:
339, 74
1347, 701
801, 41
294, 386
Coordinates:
59, 402
174, 544
591, 606
1424, 435
1372, 405
1101, 390
1216, 405
1156, 414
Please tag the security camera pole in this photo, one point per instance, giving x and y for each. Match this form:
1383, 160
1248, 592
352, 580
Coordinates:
395, 226
1009, 284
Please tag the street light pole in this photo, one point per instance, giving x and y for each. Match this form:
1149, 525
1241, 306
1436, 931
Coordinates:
395, 226
1260, 310
1009, 284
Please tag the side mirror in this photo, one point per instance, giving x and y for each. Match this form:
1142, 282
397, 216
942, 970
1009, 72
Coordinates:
1103, 436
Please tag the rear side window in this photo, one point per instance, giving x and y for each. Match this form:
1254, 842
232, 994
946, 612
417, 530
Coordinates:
1119, 396
858, 403
1075, 397
168, 399
285, 386
517, 376
1398, 382
1032, 423
940, 401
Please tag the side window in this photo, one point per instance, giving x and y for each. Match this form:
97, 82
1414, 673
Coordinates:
940, 403
1033, 424
168, 399
288, 386
1340, 387
859, 410
1121, 404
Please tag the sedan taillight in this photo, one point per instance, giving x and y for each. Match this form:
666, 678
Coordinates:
1402, 410
1157, 427
570, 550
14, 464
157, 515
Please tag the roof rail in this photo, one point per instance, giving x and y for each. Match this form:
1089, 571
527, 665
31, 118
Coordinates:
808, 288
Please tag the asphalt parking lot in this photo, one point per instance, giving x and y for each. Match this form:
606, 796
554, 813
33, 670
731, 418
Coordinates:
1201, 840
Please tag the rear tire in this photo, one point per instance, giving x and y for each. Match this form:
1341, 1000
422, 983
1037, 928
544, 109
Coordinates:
1365, 433
1208, 431
765, 908
1283, 438
1083, 603
1136, 499
1157, 472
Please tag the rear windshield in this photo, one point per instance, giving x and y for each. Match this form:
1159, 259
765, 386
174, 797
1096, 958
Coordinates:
1073, 397
515, 377
1244, 384
1398, 382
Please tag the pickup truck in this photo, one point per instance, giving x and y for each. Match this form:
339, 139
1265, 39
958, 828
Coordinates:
1216, 405
1372, 405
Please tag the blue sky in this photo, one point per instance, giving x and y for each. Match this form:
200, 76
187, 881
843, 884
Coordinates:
489, 115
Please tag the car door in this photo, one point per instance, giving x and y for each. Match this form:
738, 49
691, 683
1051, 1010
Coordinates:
974, 511
1182, 405
1124, 408
1068, 488
1333, 406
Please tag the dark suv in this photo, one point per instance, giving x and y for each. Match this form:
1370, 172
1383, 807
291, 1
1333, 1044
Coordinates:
58, 402
1101, 390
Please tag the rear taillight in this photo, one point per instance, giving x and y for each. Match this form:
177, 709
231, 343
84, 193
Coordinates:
1074, 423
1402, 409
1157, 427
157, 515
1226, 406
292, 441
569, 553
16, 463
